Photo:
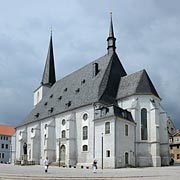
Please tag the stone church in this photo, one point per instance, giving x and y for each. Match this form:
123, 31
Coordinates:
97, 112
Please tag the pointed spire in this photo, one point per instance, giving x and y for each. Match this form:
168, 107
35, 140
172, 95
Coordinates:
111, 39
49, 77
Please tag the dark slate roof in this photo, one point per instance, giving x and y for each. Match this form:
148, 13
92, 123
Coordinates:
136, 83
49, 77
81, 88
112, 110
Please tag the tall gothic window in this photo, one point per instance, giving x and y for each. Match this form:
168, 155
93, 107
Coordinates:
144, 124
85, 132
107, 128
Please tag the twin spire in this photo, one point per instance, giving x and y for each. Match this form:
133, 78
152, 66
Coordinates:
49, 77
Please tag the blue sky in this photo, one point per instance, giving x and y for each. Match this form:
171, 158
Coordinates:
147, 35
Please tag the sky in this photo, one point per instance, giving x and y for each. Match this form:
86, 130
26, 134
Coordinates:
147, 37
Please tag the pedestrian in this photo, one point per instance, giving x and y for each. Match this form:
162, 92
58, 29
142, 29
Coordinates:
46, 164
94, 166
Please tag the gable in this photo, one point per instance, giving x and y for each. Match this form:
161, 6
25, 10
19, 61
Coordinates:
136, 83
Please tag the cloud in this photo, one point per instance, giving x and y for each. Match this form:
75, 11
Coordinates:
147, 35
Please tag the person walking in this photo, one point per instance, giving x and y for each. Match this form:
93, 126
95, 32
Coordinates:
46, 164
94, 166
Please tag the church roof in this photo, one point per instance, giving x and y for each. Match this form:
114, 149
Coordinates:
103, 81
136, 83
81, 88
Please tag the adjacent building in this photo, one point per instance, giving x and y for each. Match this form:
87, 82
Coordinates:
6, 133
97, 112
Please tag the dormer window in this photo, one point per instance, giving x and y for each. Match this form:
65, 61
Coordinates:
83, 81
60, 97
51, 110
77, 90
36, 115
68, 104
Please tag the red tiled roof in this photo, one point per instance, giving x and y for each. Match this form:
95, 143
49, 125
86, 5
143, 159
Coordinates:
7, 130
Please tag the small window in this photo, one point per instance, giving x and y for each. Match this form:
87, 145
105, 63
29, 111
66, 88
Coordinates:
45, 126
6, 138
178, 156
2, 146
85, 132
63, 122
177, 147
108, 153
63, 134
65, 89
107, 128
32, 130
2, 155
85, 116
85, 148
6, 146
51, 96
45, 103
60, 97
126, 130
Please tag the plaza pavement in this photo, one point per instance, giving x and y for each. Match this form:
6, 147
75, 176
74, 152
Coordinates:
15, 172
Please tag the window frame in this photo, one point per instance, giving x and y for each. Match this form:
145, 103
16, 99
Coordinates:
85, 133
107, 127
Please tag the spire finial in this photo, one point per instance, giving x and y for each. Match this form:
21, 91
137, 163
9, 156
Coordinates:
111, 39
51, 30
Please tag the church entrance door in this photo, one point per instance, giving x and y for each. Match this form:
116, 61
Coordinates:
63, 154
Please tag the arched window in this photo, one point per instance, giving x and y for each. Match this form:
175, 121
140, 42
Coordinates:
63, 134
107, 128
85, 132
85, 148
144, 124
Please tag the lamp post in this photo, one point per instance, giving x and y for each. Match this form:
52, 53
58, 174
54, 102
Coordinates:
59, 153
102, 151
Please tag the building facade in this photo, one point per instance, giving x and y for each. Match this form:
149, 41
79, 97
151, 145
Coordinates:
97, 112
6, 133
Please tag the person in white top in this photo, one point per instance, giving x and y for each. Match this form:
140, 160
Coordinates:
46, 164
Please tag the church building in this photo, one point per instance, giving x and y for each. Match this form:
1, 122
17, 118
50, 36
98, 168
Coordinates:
98, 112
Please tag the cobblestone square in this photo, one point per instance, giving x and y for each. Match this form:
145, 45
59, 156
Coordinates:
12, 172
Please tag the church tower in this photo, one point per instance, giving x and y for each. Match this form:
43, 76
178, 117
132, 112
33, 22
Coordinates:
49, 77
111, 40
